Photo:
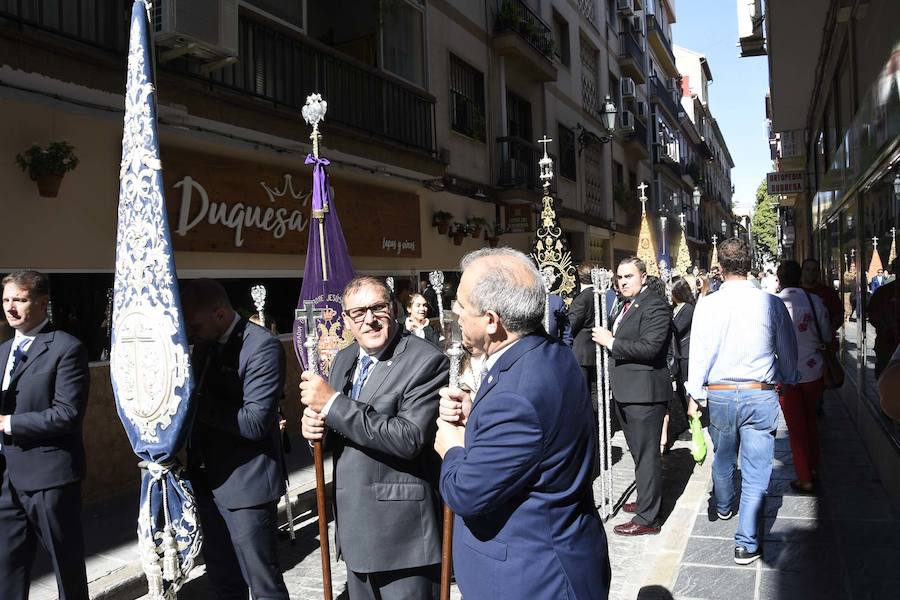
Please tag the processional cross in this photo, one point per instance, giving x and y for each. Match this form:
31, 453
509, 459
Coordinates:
681, 217
310, 315
643, 197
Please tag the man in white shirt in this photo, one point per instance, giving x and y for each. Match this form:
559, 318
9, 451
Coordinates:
742, 346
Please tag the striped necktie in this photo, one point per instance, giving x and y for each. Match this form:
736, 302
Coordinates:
362, 373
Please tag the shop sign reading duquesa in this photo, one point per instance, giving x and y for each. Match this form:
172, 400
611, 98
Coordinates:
220, 204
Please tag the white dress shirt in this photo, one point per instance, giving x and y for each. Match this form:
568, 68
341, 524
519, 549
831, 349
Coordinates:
740, 334
23, 342
810, 362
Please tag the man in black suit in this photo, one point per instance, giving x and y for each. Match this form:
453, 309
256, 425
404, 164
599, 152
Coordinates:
234, 457
638, 344
381, 406
45, 392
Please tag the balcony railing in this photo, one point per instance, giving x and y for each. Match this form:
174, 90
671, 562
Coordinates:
284, 68
517, 16
518, 163
653, 26
665, 95
99, 23
631, 47
639, 134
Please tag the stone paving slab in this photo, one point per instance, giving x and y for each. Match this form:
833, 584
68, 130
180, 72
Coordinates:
841, 544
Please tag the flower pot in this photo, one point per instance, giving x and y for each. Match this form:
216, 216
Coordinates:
458, 238
48, 184
443, 228
492, 241
476, 233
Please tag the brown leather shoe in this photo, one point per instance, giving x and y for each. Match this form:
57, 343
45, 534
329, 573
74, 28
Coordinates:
630, 507
632, 528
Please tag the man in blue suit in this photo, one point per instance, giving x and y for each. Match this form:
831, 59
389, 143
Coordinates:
234, 456
517, 464
42, 405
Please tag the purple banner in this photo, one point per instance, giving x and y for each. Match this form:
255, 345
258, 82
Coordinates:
326, 293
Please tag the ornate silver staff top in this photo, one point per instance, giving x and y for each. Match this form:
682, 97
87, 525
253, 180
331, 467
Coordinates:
258, 294
389, 281
548, 277
310, 315
436, 278
454, 348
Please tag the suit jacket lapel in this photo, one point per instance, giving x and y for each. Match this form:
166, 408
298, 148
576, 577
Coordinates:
38, 346
506, 361
383, 367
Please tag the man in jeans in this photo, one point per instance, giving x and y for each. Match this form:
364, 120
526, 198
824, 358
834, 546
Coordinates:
742, 346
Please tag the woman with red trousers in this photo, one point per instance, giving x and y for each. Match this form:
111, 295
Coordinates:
799, 401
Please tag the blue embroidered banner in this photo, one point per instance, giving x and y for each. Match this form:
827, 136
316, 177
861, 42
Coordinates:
149, 366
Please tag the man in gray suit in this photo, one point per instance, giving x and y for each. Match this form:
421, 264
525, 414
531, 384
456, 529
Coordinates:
381, 405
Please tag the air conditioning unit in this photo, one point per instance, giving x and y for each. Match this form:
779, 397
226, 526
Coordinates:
626, 121
625, 7
627, 87
641, 108
203, 29
637, 25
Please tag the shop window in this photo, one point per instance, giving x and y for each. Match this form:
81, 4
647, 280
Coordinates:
466, 99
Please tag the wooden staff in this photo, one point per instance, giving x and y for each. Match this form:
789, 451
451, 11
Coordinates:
454, 353
310, 315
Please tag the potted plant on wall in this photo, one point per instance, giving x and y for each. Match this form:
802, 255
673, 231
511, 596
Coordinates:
47, 166
492, 235
460, 231
477, 224
441, 219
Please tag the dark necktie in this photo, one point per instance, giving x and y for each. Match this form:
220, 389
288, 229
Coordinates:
16, 353
362, 373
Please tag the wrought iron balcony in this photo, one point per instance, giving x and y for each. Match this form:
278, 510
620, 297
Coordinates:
660, 41
638, 137
517, 16
283, 68
518, 163
665, 96
102, 24
631, 57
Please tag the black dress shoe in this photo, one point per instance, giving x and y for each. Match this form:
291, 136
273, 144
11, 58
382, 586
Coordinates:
630, 507
632, 528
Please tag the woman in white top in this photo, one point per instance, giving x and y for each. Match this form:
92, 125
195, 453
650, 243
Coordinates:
799, 401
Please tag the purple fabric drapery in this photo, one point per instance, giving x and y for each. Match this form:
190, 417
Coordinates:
325, 293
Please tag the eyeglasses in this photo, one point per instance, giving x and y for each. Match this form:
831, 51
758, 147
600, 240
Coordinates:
358, 314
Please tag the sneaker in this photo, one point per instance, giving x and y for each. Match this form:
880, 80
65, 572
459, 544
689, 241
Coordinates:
742, 556
725, 516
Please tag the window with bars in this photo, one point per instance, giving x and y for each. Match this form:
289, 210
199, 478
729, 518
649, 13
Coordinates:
567, 162
590, 82
466, 99
519, 117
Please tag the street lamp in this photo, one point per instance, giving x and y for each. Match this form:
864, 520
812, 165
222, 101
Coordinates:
696, 196
724, 227
897, 185
608, 118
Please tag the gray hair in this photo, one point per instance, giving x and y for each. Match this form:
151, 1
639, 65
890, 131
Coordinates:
518, 301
